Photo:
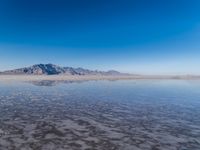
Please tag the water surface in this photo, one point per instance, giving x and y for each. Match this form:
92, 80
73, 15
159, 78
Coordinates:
100, 115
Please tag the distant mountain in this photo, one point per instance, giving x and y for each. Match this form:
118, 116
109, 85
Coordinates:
51, 69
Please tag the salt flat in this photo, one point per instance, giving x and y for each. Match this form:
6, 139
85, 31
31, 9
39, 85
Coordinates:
100, 115
90, 77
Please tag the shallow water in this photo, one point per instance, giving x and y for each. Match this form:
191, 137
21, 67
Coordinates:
100, 115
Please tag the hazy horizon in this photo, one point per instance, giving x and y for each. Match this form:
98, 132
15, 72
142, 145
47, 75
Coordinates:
136, 73
142, 37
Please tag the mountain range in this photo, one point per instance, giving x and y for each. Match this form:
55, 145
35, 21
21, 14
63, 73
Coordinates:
51, 69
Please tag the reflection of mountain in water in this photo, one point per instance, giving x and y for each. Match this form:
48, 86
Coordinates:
52, 83
148, 115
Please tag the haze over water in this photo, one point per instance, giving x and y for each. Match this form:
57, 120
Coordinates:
100, 115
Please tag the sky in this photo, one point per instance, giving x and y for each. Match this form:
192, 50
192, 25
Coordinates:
134, 36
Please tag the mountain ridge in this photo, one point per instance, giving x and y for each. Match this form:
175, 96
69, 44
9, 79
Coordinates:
52, 69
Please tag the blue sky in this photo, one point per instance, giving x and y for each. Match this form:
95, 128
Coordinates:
136, 36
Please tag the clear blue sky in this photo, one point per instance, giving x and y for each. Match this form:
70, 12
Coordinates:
137, 36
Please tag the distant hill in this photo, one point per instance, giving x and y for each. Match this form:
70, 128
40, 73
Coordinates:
51, 69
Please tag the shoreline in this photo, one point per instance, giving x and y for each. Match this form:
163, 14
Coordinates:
92, 77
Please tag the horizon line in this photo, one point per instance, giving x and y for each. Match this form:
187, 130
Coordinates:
131, 73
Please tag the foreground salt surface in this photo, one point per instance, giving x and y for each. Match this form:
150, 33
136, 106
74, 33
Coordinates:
100, 115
